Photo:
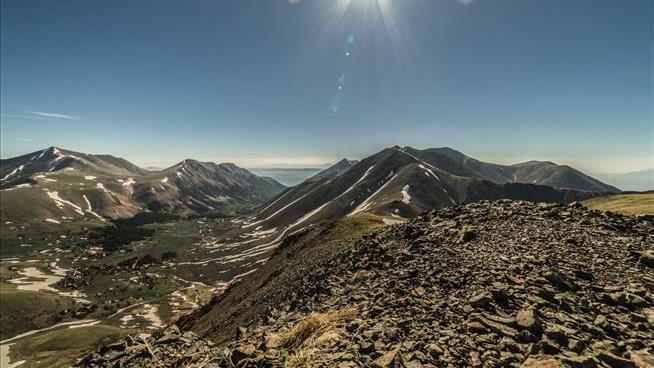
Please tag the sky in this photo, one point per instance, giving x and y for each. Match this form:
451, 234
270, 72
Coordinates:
307, 82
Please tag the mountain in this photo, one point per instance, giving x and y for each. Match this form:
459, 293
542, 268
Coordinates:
636, 180
203, 186
334, 170
58, 185
532, 172
53, 159
492, 284
404, 182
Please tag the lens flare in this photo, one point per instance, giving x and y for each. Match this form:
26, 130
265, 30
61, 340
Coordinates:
377, 17
362, 26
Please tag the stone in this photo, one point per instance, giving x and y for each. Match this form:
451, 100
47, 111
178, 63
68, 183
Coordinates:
390, 359
540, 361
480, 300
586, 361
647, 257
466, 235
561, 281
498, 328
615, 361
243, 352
528, 319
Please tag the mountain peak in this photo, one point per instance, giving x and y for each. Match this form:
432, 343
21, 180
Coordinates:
335, 170
345, 161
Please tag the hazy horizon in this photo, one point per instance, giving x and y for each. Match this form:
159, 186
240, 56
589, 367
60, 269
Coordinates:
320, 165
306, 83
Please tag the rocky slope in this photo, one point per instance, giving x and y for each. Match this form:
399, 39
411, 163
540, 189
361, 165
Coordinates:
488, 284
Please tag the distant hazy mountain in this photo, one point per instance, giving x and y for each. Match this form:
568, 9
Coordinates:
636, 180
403, 182
289, 176
61, 185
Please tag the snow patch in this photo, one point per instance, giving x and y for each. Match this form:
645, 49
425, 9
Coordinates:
367, 203
278, 211
406, 198
308, 215
16, 170
90, 209
60, 202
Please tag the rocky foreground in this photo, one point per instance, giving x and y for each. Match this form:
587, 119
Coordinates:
490, 284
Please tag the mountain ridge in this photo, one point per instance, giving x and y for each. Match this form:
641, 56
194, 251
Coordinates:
399, 182
491, 283
110, 187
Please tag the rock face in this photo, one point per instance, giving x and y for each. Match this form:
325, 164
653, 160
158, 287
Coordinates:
538, 285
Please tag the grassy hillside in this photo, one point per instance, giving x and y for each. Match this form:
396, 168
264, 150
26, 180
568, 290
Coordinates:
630, 204
24, 310
60, 348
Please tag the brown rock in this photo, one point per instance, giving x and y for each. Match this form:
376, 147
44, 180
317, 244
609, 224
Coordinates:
615, 361
243, 352
480, 300
541, 361
647, 257
528, 320
389, 359
466, 235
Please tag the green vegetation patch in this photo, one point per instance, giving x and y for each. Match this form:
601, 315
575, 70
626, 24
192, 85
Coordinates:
60, 348
24, 311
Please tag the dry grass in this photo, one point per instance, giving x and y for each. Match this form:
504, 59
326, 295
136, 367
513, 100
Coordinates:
629, 204
304, 342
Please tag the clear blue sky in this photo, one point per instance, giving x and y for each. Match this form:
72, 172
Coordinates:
257, 81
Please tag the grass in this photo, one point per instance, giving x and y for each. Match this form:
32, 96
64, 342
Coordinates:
23, 310
352, 227
60, 348
302, 344
629, 204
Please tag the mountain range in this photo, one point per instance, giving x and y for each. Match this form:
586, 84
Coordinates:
397, 182
66, 184
87, 222
402, 182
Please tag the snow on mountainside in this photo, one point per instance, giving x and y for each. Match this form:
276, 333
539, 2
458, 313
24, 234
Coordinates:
55, 159
58, 184
203, 187
403, 182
